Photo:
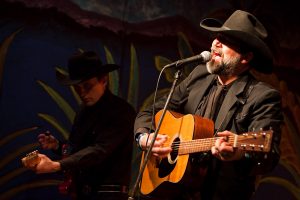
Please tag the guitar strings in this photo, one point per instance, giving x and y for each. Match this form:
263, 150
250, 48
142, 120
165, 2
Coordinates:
201, 144
207, 141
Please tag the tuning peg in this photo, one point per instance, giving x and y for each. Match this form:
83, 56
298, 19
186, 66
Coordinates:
243, 146
261, 147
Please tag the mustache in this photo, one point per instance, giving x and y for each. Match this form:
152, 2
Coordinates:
216, 51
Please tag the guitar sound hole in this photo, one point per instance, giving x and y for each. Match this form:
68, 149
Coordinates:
175, 146
165, 167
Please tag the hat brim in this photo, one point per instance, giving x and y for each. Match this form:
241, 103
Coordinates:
64, 78
256, 44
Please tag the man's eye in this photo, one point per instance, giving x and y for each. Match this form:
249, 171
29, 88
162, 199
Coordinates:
87, 87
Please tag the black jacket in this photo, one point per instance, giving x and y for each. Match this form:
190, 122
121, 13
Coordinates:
101, 141
249, 105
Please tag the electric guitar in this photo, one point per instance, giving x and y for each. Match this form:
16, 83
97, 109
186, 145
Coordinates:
31, 159
67, 186
191, 134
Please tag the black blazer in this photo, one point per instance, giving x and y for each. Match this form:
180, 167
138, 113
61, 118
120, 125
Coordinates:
249, 105
101, 141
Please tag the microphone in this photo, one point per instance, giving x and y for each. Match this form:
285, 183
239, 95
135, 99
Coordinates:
202, 57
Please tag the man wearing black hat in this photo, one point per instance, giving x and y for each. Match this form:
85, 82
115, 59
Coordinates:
225, 92
100, 143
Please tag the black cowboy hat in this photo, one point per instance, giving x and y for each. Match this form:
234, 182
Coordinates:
245, 28
83, 66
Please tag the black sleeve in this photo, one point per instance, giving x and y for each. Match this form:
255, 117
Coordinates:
112, 130
266, 115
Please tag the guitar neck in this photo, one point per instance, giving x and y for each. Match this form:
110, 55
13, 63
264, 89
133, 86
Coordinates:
194, 146
259, 141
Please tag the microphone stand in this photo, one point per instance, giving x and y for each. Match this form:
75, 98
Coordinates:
147, 155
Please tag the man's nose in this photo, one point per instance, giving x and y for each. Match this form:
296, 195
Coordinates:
216, 43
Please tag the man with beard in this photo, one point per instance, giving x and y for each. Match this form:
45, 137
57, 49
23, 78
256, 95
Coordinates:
225, 92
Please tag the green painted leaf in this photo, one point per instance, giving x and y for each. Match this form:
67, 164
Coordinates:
184, 47
63, 105
62, 73
75, 95
114, 75
55, 123
19, 152
293, 189
160, 62
3, 51
291, 170
185, 51
133, 88
11, 175
9, 194
293, 130
11, 136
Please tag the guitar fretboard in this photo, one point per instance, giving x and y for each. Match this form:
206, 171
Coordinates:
246, 142
198, 145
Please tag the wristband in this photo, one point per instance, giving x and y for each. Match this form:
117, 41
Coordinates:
138, 139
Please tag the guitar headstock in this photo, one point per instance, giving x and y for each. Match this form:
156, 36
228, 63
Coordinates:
254, 141
31, 159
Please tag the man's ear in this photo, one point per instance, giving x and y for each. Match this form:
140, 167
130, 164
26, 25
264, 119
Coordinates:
247, 57
104, 79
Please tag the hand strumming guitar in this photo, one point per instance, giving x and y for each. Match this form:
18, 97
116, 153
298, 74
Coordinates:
158, 149
40, 163
48, 141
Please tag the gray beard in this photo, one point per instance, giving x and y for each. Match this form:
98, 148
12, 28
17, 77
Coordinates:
224, 68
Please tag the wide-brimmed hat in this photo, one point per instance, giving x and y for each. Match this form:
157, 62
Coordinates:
247, 29
83, 66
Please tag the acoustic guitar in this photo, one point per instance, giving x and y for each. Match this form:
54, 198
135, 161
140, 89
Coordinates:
191, 134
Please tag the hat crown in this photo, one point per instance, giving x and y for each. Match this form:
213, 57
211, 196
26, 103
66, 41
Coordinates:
83, 65
246, 22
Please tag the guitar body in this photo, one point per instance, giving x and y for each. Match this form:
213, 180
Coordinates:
67, 187
179, 128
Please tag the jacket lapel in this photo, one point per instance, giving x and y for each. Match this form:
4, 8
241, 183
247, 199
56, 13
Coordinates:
199, 92
232, 99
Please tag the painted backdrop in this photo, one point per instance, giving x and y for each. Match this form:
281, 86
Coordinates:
37, 37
